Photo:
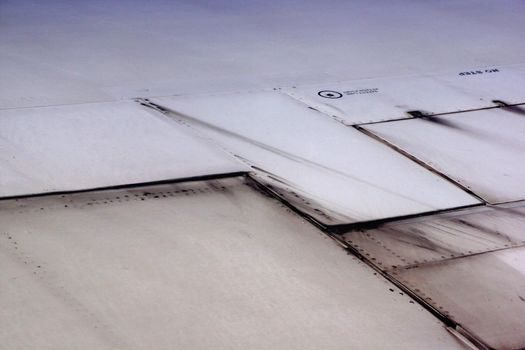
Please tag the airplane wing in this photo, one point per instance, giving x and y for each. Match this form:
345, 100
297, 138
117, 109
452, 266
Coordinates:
262, 175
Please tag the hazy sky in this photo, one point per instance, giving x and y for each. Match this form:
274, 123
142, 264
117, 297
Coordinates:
57, 52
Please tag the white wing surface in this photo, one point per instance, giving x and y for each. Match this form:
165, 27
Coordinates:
262, 175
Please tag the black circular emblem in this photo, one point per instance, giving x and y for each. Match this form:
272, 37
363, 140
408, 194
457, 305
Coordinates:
330, 94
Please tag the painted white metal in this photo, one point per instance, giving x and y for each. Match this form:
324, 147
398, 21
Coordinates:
96, 145
53, 52
373, 100
333, 168
482, 150
485, 293
199, 265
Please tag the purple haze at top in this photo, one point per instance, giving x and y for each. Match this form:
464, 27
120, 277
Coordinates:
59, 52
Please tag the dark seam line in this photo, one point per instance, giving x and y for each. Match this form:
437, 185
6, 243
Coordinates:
419, 161
436, 262
447, 321
127, 186
430, 115
373, 224
328, 230
336, 229
503, 203
271, 193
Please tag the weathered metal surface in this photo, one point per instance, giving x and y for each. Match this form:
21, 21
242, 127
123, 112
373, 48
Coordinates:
482, 150
469, 265
441, 237
215, 265
200, 265
485, 293
98, 145
338, 174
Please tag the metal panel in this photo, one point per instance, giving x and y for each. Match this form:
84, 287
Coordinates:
199, 265
337, 174
54, 53
482, 150
485, 293
373, 100
468, 264
441, 237
97, 145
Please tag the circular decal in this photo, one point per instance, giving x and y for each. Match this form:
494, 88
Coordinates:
330, 94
